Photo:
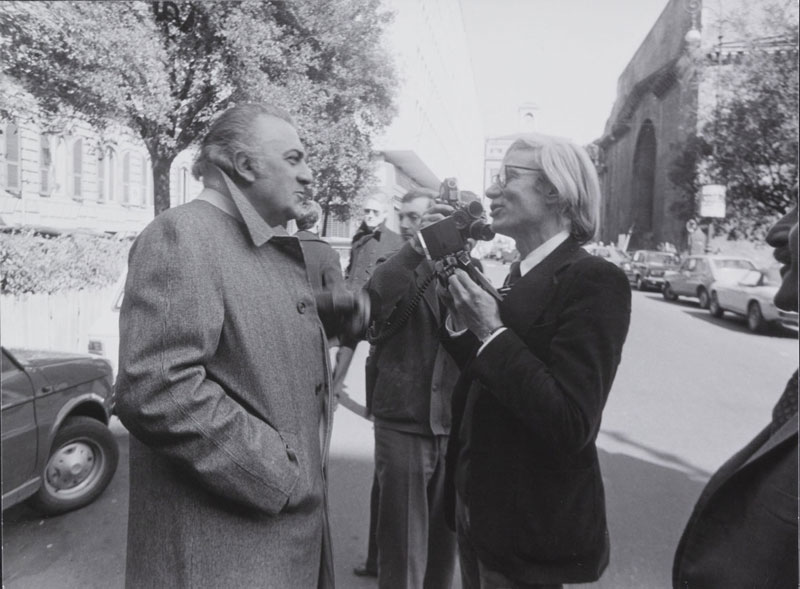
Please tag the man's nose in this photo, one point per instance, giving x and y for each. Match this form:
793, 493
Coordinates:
494, 190
304, 174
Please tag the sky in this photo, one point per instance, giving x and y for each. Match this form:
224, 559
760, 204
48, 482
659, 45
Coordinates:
564, 56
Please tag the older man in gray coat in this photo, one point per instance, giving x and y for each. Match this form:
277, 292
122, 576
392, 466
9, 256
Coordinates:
224, 378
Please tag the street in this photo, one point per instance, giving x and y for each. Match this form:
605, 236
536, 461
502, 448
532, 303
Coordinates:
689, 392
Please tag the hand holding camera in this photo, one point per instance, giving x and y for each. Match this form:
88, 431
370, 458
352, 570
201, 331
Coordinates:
473, 306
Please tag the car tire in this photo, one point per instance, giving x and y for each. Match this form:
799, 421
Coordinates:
755, 319
668, 293
83, 445
714, 308
640, 284
703, 298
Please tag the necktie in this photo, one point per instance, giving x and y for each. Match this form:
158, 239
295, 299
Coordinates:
786, 405
514, 273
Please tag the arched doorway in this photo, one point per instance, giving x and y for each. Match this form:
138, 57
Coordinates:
644, 175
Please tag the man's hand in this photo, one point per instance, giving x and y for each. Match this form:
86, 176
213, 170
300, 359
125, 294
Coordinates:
475, 308
435, 213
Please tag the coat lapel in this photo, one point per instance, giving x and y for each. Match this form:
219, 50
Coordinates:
532, 293
786, 431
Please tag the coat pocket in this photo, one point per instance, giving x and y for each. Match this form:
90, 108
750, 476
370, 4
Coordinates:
561, 514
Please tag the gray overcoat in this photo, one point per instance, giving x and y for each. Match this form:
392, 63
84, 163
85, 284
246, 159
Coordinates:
223, 385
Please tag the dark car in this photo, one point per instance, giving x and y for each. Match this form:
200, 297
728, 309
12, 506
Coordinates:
57, 450
647, 268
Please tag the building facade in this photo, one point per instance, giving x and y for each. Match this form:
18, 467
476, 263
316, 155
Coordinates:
666, 91
79, 178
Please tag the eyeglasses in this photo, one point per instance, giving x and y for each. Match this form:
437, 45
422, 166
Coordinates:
501, 178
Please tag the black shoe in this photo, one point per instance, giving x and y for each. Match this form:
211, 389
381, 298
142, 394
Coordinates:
365, 571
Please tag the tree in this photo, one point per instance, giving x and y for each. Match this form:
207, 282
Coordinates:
166, 68
748, 136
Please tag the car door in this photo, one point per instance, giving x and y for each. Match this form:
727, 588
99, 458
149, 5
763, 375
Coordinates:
19, 437
680, 281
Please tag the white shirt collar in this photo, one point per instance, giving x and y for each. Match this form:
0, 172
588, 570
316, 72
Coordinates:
541, 252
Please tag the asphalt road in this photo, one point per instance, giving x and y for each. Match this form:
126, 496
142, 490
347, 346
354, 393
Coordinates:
689, 392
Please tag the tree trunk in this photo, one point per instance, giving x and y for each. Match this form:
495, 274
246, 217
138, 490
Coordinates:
326, 212
161, 169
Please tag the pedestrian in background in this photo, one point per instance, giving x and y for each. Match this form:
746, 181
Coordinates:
322, 262
412, 378
372, 242
743, 530
224, 377
523, 473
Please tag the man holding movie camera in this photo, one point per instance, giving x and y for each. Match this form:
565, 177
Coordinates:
411, 377
537, 367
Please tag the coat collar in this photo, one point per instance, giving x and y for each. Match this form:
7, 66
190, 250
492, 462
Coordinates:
259, 230
532, 293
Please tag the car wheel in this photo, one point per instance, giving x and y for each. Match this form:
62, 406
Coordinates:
83, 459
714, 308
702, 296
755, 319
639, 283
668, 293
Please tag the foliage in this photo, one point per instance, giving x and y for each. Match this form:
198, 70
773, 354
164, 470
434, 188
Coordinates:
166, 68
748, 139
32, 263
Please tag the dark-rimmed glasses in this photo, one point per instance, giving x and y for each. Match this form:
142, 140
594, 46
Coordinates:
501, 178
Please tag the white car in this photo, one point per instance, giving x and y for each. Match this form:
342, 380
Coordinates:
752, 296
104, 332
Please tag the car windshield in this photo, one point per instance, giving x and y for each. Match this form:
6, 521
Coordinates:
657, 258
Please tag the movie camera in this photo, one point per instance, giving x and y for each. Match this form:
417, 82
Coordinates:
445, 242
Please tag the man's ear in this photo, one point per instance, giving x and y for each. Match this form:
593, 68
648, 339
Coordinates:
243, 165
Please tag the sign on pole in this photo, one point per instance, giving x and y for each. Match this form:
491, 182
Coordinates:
712, 200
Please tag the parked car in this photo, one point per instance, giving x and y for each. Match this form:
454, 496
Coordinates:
647, 268
696, 273
751, 296
57, 450
104, 332
613, 254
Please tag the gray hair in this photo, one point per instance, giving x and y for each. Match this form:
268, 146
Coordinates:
231, 133
312, 212
571, 179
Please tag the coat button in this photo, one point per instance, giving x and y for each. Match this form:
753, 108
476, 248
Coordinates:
301, 307
290, 453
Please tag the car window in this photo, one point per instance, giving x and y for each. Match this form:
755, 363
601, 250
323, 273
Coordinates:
735, 264
691, 264
702, 266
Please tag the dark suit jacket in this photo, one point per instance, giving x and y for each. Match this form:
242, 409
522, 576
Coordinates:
412, 375
528, 410
743, 530
367, 251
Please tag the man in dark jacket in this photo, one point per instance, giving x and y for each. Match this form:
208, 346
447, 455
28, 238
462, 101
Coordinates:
413, 378
743, 530
373, 241
322, 262
537, 369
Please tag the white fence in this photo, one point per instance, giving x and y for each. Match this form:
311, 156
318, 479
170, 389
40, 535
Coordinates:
53, 322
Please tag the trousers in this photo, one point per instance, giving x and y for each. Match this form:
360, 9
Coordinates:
415, 547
